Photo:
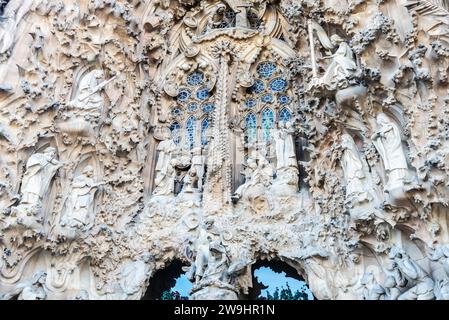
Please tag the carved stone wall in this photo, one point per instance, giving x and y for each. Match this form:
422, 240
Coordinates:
219, 133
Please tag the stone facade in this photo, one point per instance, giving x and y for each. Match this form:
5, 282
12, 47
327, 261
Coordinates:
220, 133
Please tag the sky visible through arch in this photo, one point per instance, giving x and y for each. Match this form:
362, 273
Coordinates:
264, 274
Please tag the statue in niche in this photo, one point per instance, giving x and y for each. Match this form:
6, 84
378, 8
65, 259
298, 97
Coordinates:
166, 148
40, 170
13, 13
189, 182
343, 65
134, 275
198, 162
353, 171
88, 100
258, 173
423, 285
165, 179
388, 142
32, 289
285, 146
79, 205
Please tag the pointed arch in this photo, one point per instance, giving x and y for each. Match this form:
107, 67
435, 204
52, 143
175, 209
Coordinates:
190, 132
251, 126
268, 121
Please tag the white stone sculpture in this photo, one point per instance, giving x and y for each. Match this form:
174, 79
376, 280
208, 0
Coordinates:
134, 275
165, 179
198, 162
388, 142
13, 13
285, 146
79, 205
32, 289
372, 290
423, 285
355, 177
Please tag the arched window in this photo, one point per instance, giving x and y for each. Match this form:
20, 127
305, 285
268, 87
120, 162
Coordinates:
285, 115
267, 123
251, 127
204, 128
190, 132
175, 129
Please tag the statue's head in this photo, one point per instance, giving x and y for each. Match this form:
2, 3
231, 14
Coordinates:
336, 39
50, 151
382, 118
174, 162
98, 74
88, 171
346, 141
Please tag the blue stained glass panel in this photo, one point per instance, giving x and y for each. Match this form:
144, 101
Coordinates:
184, 95
190, 132
278, 85
283, 99
251, 126
204, 128
175, 129
266, 69
267, 98
176, 112
285, 115
202, 94
195, 78
257, 87
192, 107
250, 103
208, 107
267, 123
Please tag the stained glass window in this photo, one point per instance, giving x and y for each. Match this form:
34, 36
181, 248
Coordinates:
251, 126
250, 103
202, 94
267, 98
285, 115
204, 128
266, 69
267, 123
192, 107
176, 112
283, 99
184, 95
278, 85
190, 132
195, 78
175, 129
208, 107
257, 87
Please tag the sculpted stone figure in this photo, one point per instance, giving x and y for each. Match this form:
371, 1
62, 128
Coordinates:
14, 11
165, 180
423, 285
353, 169
88, 99
40, 170
198, 162
79, 205
32, 289
342, 66
166, 149
202, 248
134, 275
388, 142
372, 290
285, 146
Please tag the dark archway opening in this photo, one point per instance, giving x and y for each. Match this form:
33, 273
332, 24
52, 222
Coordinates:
276, 280
167, 281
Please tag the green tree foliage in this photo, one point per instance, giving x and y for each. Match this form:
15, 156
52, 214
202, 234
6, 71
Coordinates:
172, 295
287, 294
